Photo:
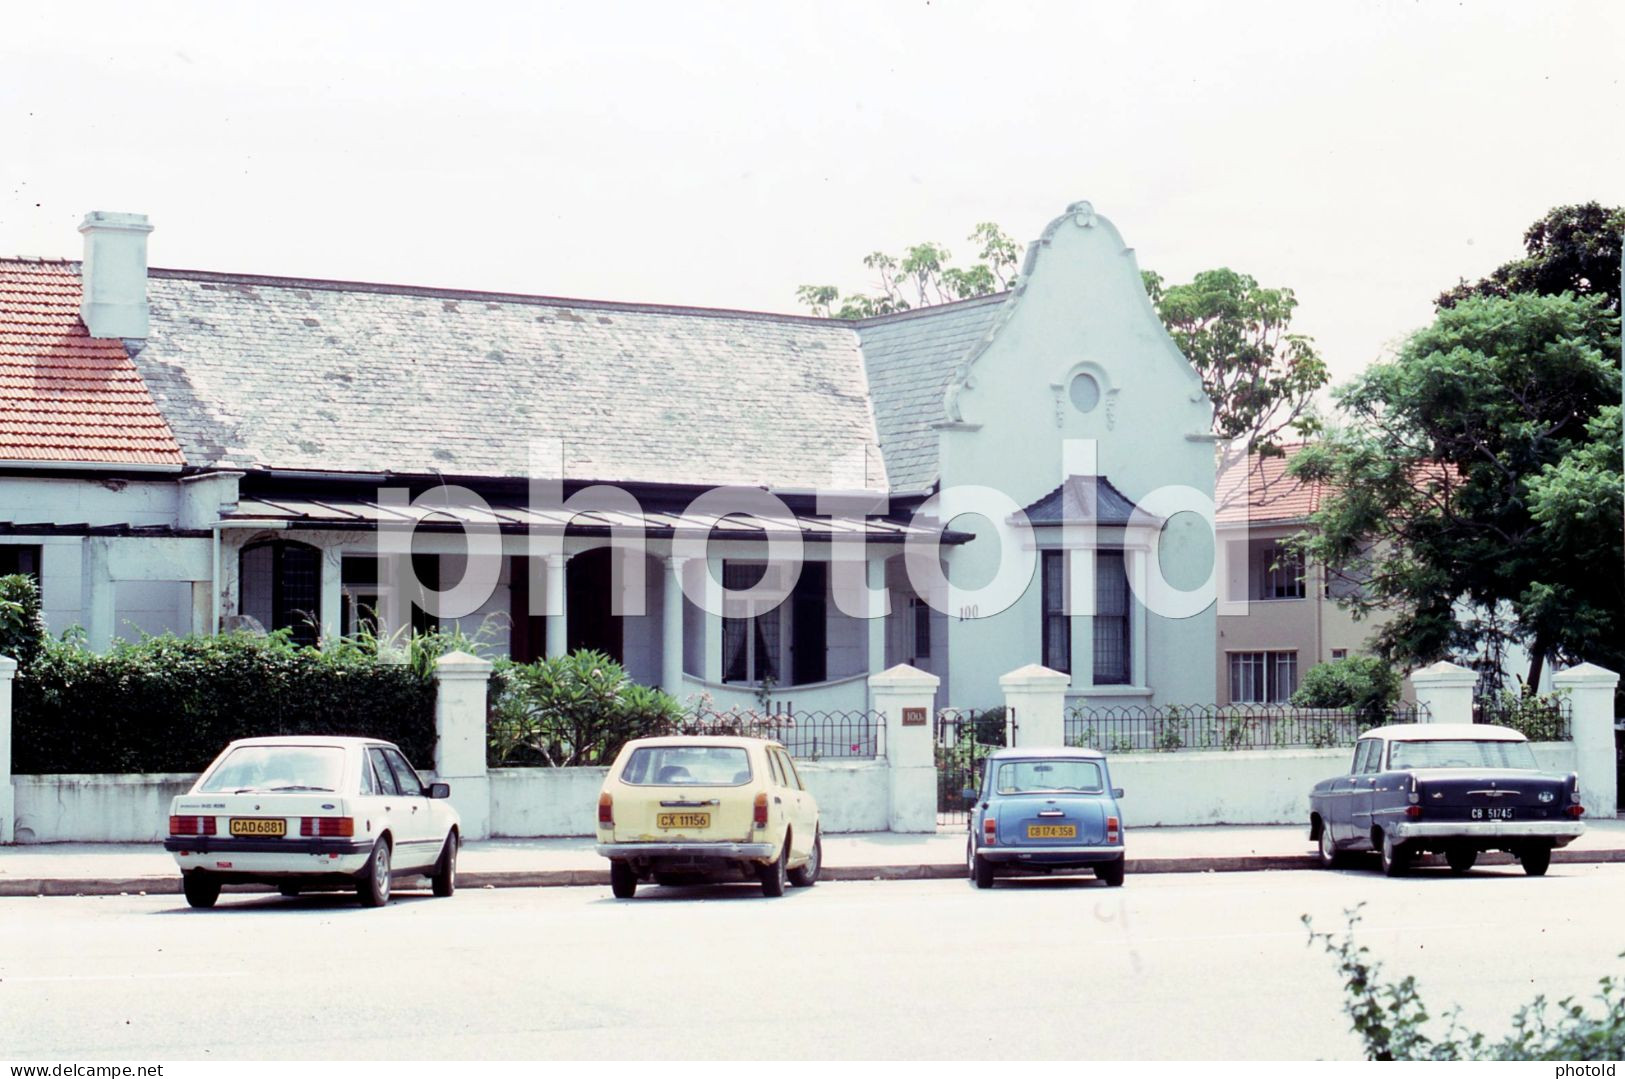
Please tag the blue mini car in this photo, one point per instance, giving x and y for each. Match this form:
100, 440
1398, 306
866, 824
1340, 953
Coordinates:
1045, 811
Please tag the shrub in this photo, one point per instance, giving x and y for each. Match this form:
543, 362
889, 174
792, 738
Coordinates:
578, 709
1538, 717
1363, 683
1391, 1019
22, 630
990, 726
170, 704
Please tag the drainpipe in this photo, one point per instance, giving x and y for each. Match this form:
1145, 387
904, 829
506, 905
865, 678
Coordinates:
214, 573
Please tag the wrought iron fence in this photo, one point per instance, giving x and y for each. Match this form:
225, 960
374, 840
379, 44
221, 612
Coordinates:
1171, 728
1537, 718
963, 737
850, 734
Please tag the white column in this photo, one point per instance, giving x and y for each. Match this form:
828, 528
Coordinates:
1591, 696
97, 595
671, 628
713, 619
1080, 622
8, 796
1137, 614
877, 622
202, 607
1446, 691
558, 630
1036, 696
459, 750
332, 601
904, 695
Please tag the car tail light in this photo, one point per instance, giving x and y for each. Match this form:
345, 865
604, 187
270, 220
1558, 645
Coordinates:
1574, 789
990, 831
191, 826
759, 817
1413, 812
1576, 810
327, 826
1112, 835
606, 809
1415, 794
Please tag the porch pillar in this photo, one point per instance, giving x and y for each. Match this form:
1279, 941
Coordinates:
1137, 613
1446, 691
462, 682
713, 619
8, 796
904, 696
332, 595
671, 627
1591, 696
558, 630
1036, 699
877, 620
97, 595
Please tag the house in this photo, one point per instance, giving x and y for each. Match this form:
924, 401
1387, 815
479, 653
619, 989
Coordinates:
190, 450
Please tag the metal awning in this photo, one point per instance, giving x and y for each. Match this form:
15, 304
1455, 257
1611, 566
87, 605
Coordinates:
361, 513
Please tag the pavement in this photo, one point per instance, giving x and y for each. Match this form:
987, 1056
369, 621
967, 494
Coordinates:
146, 868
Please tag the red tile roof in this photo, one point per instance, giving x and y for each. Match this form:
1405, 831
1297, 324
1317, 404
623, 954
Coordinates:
66, 397
1272, 495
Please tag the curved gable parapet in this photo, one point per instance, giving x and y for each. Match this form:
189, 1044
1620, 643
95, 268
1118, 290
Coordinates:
1078, 215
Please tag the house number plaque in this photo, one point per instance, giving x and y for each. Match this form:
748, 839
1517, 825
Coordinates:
914, 717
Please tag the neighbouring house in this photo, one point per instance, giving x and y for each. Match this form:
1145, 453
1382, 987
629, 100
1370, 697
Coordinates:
188, 450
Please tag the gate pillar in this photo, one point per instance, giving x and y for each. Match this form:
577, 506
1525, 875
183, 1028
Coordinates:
1037, 698
904, 695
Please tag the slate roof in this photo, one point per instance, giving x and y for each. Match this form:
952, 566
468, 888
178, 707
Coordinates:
65, 397
1067, 502
911, 359
263, 372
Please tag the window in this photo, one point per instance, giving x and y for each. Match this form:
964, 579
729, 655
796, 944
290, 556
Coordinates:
1263, 677
1365, 756
281, 587
691, 766
270, 768
1046, 777
922, 627
1113, 662
406, 778
750, 646
1340, 653
20, 558
1462, 753
1056, 635
380, 767
1283, 572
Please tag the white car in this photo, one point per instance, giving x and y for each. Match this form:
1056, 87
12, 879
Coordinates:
312, 814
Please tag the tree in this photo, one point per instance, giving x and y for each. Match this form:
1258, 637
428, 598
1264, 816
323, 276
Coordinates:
1462, 476
922, 277
1572, 249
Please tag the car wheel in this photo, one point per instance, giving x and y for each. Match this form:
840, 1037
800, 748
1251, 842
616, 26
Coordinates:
1111, 873
1330, 856
444, 880
805, 876
373, 888
776, 877
290, 890
1461, 859
623, 880
202, 889
1536, 860
1396, 857
980, 869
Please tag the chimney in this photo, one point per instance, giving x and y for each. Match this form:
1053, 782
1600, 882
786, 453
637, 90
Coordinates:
113, 279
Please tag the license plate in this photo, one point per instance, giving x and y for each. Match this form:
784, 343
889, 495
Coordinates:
1052, 831
272, 826
684, 820
1492, 813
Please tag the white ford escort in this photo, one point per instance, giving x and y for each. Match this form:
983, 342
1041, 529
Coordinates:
312, 814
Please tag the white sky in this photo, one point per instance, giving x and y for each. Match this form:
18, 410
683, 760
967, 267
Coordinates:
1367, 155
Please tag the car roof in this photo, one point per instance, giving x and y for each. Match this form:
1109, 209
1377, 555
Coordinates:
334, 740
737, 741
1046, 753
1445, 732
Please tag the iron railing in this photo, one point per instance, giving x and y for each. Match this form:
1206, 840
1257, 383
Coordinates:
1171, 728
963, 738
1537, 718
849, 734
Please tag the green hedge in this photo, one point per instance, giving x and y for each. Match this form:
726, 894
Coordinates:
170, 704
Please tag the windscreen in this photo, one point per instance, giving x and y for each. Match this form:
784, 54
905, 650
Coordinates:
1035, 777
1461, 754
687, 766
277, 768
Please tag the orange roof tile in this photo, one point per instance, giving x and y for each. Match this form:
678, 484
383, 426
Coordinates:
1272, 495
66, 397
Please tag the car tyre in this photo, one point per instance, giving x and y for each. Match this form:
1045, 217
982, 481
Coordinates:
1111, 873
980, 869
623, 880
1396, 857
376, 877
805, 876
1536, 859
202, 889
1461, 859
776, 877
1330, 856
291, 891
444, 880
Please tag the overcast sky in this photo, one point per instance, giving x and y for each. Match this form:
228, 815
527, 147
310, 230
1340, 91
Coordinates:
1367, 155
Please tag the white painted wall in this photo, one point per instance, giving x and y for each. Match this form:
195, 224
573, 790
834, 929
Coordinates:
852, 795
545, 801
96, 808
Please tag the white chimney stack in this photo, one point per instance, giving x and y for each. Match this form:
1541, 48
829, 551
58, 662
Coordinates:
113, 279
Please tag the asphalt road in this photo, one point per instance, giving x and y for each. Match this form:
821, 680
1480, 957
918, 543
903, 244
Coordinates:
1171, 966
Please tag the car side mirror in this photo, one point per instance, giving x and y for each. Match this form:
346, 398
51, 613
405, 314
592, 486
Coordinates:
969, 795
439, 790
1117, 792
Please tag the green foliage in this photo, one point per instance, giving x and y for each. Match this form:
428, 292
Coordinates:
1392, 1019
991, 726
1572, 249
22, 629
578, 709
170, 704
1501, 408
922, 276
1261, 377
1363, 683
1538, 717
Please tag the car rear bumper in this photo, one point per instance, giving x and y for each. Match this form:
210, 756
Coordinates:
1051, 855
723, 852
260, 845
1561, 833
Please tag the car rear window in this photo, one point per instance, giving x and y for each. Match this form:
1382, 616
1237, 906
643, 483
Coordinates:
1035, 777
1460, 753
277, 768
687, 766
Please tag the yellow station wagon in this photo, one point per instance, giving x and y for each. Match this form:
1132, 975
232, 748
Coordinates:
693, 807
